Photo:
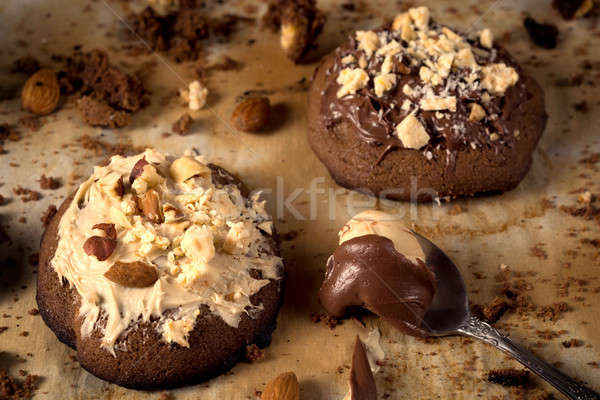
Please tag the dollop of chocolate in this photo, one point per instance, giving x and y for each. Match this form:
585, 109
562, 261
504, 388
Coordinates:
362, 382
367, 271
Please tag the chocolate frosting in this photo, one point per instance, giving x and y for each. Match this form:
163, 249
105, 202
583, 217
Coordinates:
362, 382
367, 271
373, 118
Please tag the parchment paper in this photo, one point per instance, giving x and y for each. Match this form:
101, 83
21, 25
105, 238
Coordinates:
490, 230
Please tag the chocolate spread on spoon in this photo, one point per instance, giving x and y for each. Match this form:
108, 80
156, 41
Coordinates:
367, 271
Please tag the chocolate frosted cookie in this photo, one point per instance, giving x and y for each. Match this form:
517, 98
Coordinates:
160, 271
417, 111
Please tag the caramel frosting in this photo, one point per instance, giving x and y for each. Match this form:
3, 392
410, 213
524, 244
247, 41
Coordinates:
379, 265
417, 84
151, 236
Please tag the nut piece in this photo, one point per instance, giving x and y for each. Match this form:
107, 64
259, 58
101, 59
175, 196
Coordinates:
411, 133
109, 229
138, 169
185, 168
134, 275
149, 203
41, 92
252, 114
99, 247
195, 95
284, 387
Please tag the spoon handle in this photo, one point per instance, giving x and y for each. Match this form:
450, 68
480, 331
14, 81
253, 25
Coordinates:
478, 329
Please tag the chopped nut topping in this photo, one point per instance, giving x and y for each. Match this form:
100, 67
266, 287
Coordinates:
420, 17
486, 38
384, 83
411, 133
195, 95
351, 79
477, 113
498, 77
368, 41
433, 103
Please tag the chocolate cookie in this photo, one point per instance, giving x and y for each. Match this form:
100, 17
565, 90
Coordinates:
417, 111
160, 272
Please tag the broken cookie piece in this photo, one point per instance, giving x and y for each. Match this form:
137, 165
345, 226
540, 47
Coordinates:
299, 21
543, 35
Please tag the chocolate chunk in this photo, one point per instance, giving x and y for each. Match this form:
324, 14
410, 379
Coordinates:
543, 35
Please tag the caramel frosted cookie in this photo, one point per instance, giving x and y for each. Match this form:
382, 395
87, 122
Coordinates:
159, 271
417, 111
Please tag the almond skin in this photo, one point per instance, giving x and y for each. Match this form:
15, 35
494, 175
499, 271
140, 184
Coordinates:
134, 275
284, 387
149, 203
41, 92
252, 114
99, 247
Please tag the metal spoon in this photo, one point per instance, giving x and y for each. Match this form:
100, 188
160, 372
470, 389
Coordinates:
449, 315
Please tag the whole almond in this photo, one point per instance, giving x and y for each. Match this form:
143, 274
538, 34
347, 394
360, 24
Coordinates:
41, 92
284, 387
149, 203
252, 114
134, 275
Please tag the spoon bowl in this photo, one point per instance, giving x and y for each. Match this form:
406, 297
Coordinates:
449, 315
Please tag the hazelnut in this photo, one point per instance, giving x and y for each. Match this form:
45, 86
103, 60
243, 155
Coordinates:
185, 168
252, 114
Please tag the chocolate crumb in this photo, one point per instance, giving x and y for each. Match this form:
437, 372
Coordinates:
13, 389
494, 310
543, 35
182, 125
26, 65
582, 107
49, 183
33, 311
538, 252
572, 343
3, 329
27, 195
328, 320
553, 312
254, 353
509, 377
30, 122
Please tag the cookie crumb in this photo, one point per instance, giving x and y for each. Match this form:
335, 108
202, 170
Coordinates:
254, 353
13, 389
571, 9
26, 195
509, 377
572, 343
543, 35
494, 310
328, 320
49, 183
182, 125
